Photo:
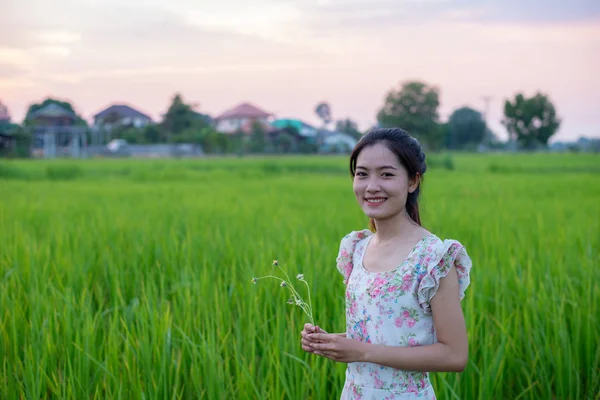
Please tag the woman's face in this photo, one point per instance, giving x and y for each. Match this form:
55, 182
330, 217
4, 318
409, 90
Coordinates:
381, 184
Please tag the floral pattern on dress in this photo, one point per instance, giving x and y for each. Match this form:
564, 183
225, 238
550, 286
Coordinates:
393, 308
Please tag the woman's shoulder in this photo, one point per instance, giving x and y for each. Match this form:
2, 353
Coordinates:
354, 237
345, 257
438, 246
438, 257
350, 240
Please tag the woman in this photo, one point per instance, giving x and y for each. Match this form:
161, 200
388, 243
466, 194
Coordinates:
403, 283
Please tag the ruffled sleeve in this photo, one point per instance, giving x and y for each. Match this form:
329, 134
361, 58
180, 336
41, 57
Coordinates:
346, 251
442, 257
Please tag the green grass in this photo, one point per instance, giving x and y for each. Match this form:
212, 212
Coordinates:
132, 278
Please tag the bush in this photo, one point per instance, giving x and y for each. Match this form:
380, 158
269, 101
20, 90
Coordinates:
63, 172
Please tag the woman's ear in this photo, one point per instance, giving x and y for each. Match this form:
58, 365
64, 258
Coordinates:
413, 184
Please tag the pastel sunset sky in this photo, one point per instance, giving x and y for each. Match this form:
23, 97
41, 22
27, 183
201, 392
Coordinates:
286, 55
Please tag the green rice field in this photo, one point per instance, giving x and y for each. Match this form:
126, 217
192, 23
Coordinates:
131, 279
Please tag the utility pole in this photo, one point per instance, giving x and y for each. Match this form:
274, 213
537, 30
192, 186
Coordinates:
486, 101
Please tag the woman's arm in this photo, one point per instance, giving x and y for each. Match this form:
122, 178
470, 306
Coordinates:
450, 353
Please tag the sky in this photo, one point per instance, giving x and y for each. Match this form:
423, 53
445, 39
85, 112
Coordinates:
285, 56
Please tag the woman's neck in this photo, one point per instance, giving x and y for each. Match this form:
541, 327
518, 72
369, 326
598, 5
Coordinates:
398, 226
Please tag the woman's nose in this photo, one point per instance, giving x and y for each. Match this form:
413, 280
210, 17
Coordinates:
373, 185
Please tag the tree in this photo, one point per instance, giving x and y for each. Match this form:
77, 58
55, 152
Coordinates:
131, 135
348, 126
530, 121
6, 127
466, 128
258, 140
23, 140
491, 140
63, 104
413, 107
153, 134
180, 117
323, 110
285, 142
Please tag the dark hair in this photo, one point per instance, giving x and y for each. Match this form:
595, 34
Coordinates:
409, 153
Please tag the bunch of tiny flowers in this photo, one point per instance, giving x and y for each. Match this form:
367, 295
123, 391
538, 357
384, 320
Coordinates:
296, 299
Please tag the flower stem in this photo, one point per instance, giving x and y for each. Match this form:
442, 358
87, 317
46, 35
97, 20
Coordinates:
312, 318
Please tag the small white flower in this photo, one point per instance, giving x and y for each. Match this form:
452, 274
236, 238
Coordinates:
300, 276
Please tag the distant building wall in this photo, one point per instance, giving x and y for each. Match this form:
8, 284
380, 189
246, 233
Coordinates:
148, 151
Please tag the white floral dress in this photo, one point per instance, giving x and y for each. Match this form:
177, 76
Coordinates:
392, 308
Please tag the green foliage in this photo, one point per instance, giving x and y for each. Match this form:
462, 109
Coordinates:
131, 134
531, 121
285, 142
179, 118
348, 126
414, 108
466, 128
258, 138
153, 134
119, 290
64, 104
491, 141
323, 111
10, 171
215, 142
63, 172
20, 144
6, 127
307, 147
439, 161
195, 169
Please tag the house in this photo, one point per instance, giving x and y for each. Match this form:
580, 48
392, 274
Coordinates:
116, 116
336, 142
56, 133
303, 129
241, 118
121, 115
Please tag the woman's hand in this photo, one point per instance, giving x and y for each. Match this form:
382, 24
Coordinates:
336, 347
306, 341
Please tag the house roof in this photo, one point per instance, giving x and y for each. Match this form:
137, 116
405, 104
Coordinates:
244, 110
4, 115
52, 110
296, 123
122, 110
303, 128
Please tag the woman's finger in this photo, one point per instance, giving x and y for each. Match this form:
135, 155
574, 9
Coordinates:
321, 346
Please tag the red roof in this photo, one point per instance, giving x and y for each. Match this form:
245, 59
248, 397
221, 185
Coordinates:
244, 110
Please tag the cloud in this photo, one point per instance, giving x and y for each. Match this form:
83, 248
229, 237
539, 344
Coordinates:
53, 37
379, 14
104, 40
9, 70
537, 11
